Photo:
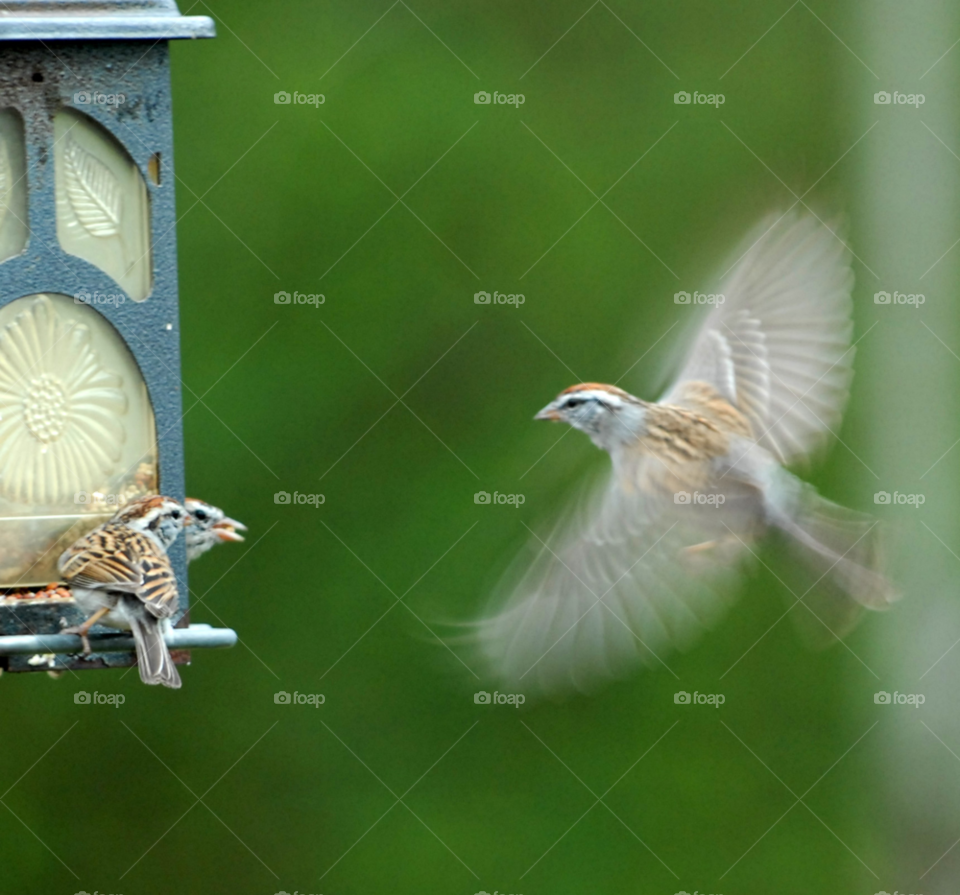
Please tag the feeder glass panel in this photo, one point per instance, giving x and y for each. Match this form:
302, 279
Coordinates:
103, 214
77, 435
13, 185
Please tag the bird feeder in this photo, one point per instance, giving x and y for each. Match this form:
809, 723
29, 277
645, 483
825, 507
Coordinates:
90, 400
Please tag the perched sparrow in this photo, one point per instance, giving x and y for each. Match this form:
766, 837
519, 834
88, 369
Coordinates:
209, 525
120, 574
697, 478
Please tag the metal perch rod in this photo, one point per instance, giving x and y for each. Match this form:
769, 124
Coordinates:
194, 637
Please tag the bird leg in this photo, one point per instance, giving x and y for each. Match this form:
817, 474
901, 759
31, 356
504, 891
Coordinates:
85, 627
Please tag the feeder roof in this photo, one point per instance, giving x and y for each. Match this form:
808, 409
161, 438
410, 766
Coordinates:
99, 20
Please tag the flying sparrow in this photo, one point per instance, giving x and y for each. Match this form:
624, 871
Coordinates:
120, 574
209, 525
697, 478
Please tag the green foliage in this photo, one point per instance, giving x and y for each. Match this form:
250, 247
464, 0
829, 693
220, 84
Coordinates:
308, 402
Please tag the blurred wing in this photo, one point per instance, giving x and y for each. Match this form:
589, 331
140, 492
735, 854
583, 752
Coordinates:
99, 560
624, 579
779, 346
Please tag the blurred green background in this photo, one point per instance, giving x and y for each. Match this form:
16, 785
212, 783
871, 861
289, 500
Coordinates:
399, 398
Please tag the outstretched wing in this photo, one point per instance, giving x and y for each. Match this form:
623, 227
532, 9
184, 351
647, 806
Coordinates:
778, 347
628, 575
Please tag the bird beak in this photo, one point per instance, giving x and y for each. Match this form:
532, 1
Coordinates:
548, 413
226, 530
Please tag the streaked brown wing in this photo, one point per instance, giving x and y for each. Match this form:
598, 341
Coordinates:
103, 558
159, 591
117, 558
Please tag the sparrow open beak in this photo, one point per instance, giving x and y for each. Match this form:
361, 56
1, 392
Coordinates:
548, 413
226, 530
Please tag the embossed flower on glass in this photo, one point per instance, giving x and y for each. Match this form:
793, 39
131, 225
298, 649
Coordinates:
60, 409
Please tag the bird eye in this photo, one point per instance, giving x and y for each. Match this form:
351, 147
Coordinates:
175, 514
574, 402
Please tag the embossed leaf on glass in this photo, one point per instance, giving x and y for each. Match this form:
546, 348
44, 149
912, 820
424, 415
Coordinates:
92, 190
102, 202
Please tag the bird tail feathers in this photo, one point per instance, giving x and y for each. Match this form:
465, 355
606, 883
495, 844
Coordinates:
153, 657
836, 543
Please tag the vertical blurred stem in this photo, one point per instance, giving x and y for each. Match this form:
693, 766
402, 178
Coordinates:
906, 219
